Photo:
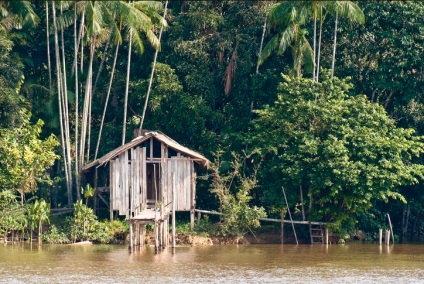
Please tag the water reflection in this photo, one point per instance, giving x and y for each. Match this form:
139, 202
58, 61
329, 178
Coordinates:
349, 263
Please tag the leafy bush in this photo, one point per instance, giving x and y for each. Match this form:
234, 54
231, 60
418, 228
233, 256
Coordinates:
56, 236
117, 230
233, 190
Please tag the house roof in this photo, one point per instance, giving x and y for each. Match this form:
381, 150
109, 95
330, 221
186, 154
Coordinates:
198, 158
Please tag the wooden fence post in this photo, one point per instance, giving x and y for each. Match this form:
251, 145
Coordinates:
282, 226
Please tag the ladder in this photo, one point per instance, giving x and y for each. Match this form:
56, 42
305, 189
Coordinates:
317, 234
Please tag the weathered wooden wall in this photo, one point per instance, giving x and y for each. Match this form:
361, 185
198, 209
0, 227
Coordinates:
128, 182
182, 169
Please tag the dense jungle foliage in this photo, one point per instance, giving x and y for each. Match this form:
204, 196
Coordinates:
325, 98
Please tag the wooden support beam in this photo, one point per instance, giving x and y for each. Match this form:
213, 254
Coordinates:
269, 219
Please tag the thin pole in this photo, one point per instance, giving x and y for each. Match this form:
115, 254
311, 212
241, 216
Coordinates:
173, 212
288, 210
391, 228
282, 227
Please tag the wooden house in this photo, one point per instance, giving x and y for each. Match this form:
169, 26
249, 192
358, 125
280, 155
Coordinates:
147, 179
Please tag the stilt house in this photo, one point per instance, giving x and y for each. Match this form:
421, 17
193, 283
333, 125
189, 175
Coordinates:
147, 177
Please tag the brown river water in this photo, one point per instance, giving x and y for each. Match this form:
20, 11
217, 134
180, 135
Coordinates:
349, 263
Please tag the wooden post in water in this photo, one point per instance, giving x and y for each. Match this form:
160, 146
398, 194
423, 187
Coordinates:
282, 227
137, 234
156, 232
326, 235
173, 213
380, 236
131, 236
387, 237
143, 234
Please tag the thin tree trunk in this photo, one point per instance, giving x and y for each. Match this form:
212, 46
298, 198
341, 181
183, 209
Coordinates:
82, 46
101, 64
315, 44
80, 32
107, 100
58, 75
319, 46
87, 98
40, 231
48, 47
334, 46
124, 123
302, 202
263, 37
89, 122
75, 67
66, 110
153, 70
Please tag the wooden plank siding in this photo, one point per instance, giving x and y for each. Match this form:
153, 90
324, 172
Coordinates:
128, 182
181, 167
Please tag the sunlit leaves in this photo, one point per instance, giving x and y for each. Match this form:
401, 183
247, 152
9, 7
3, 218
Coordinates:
345, 148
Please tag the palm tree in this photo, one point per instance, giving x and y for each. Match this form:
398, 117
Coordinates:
140, 17
352, 12
153, 69
289, 17
16, 14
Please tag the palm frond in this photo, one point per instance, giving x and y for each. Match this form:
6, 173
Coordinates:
137, 43
308, 55
349, 10
268, 49
286, 38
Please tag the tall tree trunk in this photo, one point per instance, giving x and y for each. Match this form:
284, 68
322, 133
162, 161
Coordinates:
124, 122
107, 100
263, 36
302, 203
66, 110
89, 121
59, 87
79, 40
315, 45
75, 67
82, 47
86, 111
101, 64
319, 47
48, 47
153, 70
334, 46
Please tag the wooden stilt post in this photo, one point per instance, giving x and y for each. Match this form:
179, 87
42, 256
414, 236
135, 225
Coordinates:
326, 235
156, 237
192, 220
167, 231
199, 216
282, 227
143, 234
387, 237
380, 236
136, 236
131, 236
173, 213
